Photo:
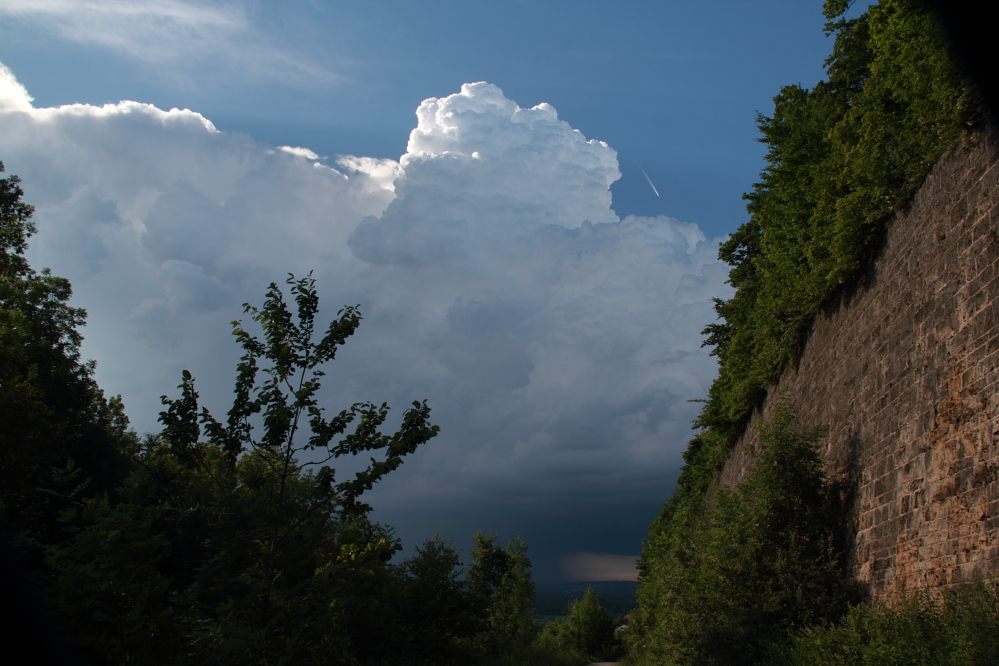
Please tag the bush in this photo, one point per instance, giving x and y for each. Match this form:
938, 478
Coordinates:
745, 567
584, 636
961, 630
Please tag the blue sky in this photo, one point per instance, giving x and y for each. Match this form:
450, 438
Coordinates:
499, 271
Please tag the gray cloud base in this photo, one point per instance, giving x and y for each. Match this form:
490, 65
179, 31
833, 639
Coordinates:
557, 344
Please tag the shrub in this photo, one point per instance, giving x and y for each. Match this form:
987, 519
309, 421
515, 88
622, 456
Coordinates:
960, 630
585, 635
742, 568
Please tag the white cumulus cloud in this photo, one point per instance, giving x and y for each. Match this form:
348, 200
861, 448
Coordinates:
13, 96
301, 152
557, 344
166, 225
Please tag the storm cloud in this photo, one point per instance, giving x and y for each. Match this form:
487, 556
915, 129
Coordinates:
558, 345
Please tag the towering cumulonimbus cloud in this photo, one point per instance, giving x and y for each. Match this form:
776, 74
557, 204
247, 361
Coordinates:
567, 328
501, 153
557, 344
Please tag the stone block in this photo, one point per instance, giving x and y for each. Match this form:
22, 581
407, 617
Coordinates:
903, 374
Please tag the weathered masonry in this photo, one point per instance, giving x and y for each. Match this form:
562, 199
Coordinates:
903, 372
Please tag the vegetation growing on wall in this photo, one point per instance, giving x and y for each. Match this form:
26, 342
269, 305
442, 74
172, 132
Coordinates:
721, 583
754, 576
962, 629
725, 580
842, 158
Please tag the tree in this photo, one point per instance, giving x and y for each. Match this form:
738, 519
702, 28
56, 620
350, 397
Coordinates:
264, 425
50, 406
500, 582
753, 564
438, 612
211, 542
586, 634
227, 548
60, 440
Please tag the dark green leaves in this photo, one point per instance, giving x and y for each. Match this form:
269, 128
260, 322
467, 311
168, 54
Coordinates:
500, 582
835, 8
51, 409
959, 629
15, 227
266, 417
727, 575
842, 158
180, 421
220, 542
587, 632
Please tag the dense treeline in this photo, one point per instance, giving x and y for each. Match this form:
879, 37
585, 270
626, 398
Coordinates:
725, 580
212, 541
754, 574
842, 158
51, 409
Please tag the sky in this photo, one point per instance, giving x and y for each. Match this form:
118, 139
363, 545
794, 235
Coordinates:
525, 199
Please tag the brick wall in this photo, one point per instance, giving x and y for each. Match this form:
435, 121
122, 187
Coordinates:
903, 372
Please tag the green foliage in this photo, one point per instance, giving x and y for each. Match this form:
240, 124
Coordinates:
109, 580
842, 158
51, 409
221, 542
285, 399
226, 549
444, 617
962, 630
500, 582
212, 542
586, 634
726, 575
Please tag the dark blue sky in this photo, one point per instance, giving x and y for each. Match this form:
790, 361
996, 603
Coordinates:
557, 342
672, 86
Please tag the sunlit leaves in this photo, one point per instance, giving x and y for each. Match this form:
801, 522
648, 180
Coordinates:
842, 158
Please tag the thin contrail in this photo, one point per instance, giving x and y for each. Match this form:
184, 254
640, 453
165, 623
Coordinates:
650, 182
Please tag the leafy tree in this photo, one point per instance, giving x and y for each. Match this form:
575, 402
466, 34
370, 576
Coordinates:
110, 581
225, 548
52, 411
731, 581
226, 542
61, 440
586, 634
500, 582
437, 611
286, 399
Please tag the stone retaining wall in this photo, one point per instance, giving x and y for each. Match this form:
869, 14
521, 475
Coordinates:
903, 372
